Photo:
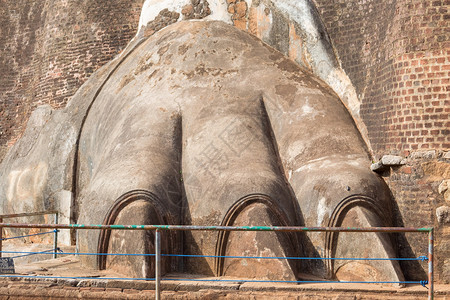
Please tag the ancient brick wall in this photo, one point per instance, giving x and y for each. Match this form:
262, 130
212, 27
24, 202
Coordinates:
48, 48
397, 54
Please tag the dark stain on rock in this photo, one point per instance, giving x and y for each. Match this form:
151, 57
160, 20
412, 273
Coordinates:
125, 80
286, 90
142, 67
168, 59
287, 65
199, 52
189, 75
200, 70
152, 74
183, 49
163, 50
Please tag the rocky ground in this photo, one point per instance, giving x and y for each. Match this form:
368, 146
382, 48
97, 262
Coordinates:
29, 283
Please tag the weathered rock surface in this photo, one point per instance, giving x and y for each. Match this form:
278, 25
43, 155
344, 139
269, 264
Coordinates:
443, 214
444, 189
203, 124
387, 161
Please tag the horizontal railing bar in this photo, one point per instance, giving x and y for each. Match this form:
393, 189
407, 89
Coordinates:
40, 213
424, 258
218, 228
422, 282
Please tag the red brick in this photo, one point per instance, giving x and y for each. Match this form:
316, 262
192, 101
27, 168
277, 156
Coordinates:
113, 290
407, 170
435, 68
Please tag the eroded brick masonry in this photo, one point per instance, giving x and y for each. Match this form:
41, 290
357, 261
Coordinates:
397, 55
48, 48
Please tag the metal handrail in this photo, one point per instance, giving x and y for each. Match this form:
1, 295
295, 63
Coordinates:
159, 228
33, 214
216, 228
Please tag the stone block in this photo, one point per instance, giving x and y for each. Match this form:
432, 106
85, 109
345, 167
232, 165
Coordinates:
392, 160
443, 214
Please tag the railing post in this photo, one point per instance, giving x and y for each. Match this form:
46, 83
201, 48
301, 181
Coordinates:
430, 264
1, 238
55, 237
157, 265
